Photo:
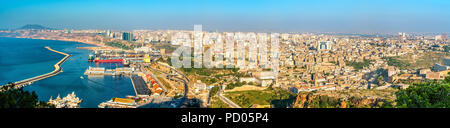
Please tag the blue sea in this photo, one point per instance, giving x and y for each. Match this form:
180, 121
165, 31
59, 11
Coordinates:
24, 58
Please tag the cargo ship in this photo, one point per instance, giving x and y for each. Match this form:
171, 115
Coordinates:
107, 60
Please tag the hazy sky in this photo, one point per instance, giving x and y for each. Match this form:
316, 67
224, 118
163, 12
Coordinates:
232, 15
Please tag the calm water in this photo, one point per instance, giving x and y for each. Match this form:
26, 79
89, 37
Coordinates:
25, 58
446, 62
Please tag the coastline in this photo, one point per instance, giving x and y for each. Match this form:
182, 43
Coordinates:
95, 89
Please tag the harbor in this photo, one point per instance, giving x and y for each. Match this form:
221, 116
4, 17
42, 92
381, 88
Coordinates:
102, 80
147, 88
147, 91
36, 60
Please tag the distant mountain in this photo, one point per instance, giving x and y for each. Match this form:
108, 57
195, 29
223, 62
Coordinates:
35, 26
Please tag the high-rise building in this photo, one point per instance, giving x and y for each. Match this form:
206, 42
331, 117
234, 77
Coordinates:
401, 36
108, 33
438, 38
127, 36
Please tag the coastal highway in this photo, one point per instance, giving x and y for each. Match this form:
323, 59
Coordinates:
175, 70
227, 101
57, 70
175, 78
185, 80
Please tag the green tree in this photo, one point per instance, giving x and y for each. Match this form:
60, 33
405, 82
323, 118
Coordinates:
425, 95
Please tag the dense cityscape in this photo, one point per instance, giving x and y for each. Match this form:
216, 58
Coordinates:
225, 63
225, 54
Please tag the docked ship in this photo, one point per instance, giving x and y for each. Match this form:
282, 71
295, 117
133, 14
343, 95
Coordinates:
108, 60
70, 101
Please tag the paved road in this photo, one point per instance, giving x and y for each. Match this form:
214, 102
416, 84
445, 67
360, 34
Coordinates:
174, 77
227, 101
186, 81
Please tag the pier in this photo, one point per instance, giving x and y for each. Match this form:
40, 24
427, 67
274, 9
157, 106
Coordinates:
57, 70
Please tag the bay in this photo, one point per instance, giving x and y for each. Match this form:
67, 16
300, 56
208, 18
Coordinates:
24, 58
